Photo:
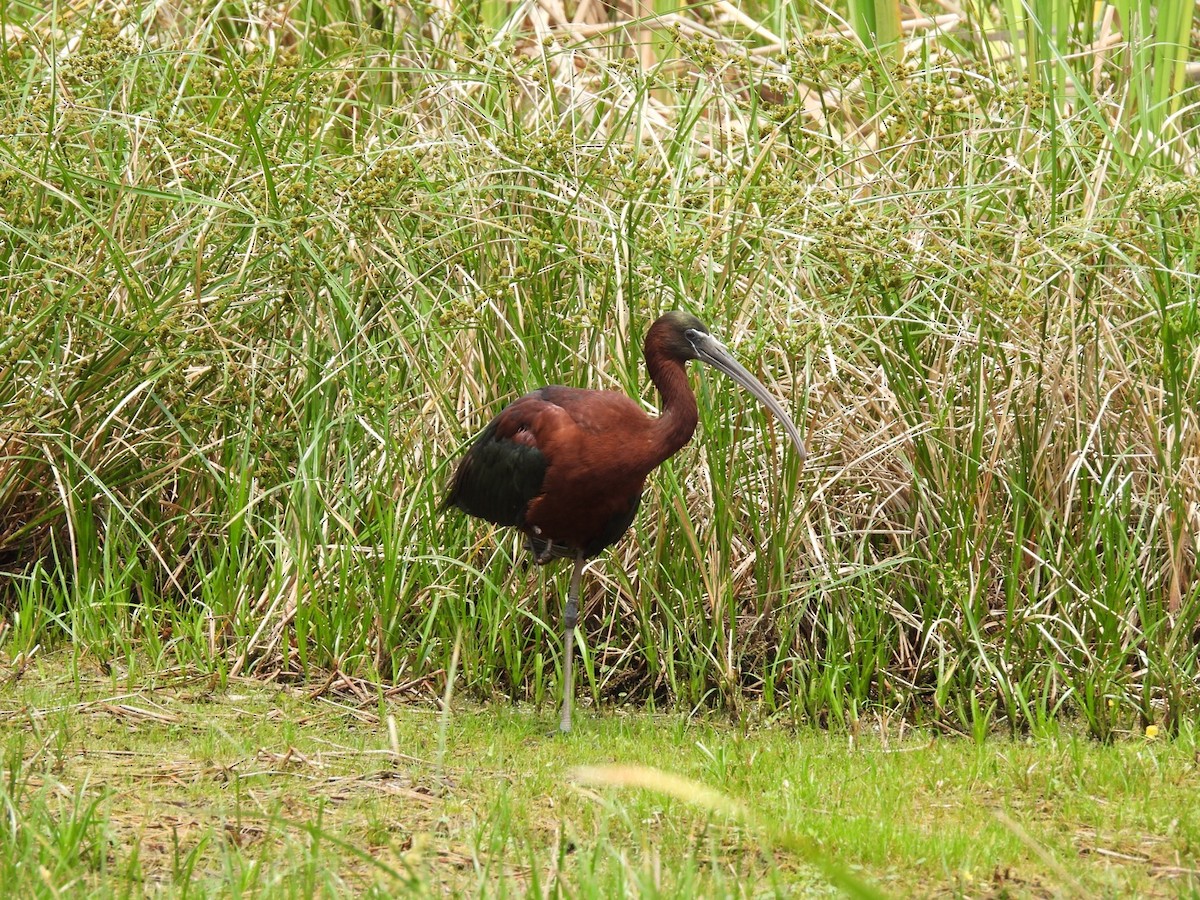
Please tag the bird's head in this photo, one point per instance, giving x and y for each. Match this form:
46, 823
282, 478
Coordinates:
677, 335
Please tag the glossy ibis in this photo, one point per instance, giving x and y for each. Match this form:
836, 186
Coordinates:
566, 466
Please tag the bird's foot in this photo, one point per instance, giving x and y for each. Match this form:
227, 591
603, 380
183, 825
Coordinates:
564, 715
542, 550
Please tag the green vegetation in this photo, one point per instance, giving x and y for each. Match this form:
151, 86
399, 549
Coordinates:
265, 274
177, 788
264, 270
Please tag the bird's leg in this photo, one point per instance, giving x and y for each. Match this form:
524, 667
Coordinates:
570, 620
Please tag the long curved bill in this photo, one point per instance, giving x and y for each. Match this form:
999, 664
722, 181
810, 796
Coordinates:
717, 355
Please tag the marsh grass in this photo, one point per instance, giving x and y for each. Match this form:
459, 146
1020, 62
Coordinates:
265, 274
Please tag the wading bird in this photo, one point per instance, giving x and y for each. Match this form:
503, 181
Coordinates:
566, 466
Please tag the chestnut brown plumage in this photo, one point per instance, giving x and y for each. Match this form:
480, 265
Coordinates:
567, 466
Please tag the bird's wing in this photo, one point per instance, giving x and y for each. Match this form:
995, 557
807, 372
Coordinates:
505, 467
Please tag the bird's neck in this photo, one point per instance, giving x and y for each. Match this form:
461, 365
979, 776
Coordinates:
677, 420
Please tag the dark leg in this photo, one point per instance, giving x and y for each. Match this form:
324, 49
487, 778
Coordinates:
570, 620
